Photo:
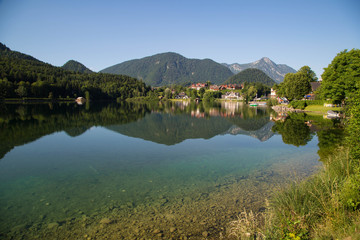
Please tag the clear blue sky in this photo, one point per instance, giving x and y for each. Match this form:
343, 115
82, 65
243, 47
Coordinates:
103, 33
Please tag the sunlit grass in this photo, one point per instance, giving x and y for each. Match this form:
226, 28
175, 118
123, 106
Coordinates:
321, 109
320, 207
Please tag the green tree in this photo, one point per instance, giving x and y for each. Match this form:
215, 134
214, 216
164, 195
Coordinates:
251, 92
353, 127
39, 88
296, 85
342, 76
167, 93
208, 97
193, 94
87, 96
6, 88
201, 92
22, 90
208, 84
280, 89
310, 73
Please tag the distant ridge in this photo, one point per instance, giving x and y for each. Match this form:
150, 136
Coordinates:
37, 79
274, 71
75, 66
7, 52
172, 68
251, 75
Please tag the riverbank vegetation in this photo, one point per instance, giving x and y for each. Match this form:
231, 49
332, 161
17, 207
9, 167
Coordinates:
327, 205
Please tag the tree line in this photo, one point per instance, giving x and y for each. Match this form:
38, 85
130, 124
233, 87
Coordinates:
21, 78
340, 80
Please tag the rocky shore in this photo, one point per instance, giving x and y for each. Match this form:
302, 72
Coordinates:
199, 215
285, 109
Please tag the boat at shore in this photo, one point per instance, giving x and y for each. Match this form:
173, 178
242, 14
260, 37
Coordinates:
257, 104
332, 114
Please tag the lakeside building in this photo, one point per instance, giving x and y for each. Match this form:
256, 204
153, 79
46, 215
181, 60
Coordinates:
314, 87
232, 96
273, 93
226, 87
231, 86
214, 88
182, 95
198, 86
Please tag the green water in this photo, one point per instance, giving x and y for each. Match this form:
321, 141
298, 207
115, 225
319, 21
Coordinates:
149, 169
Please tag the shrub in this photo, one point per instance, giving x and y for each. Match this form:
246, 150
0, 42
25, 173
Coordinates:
298, 104
315, 102
272, 102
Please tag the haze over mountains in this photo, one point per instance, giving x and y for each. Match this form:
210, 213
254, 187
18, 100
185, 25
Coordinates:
172, 68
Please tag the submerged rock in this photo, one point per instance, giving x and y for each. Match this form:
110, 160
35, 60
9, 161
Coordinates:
105, 221
53, 225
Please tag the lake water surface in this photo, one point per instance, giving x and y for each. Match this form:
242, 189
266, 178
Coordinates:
130, 171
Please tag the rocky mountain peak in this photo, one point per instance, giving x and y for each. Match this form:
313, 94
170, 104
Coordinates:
265, 64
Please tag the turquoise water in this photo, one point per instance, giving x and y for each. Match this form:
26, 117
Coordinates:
65, 170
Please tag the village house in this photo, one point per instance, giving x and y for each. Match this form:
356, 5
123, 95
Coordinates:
214, 88
226, 87
231, 96
182, 95
198, 86
273, 93
230, 86
80, 100
314, 87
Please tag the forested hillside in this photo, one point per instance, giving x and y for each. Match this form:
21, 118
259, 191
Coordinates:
171, 68
24, 76
75, 66
251, 75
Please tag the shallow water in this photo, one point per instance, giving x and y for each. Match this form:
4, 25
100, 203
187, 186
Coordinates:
139, 171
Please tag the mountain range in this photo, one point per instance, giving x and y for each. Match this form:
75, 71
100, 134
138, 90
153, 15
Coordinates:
172, 68
275, 71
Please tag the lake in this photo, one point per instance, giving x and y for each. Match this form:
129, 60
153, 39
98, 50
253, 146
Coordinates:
147, 171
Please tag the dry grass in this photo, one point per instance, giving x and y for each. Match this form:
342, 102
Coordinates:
247, 226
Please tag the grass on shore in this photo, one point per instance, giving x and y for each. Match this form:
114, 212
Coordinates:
321, 109
326, 206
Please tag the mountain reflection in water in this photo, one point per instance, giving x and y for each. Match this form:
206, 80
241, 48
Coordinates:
165, 123
127, 171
